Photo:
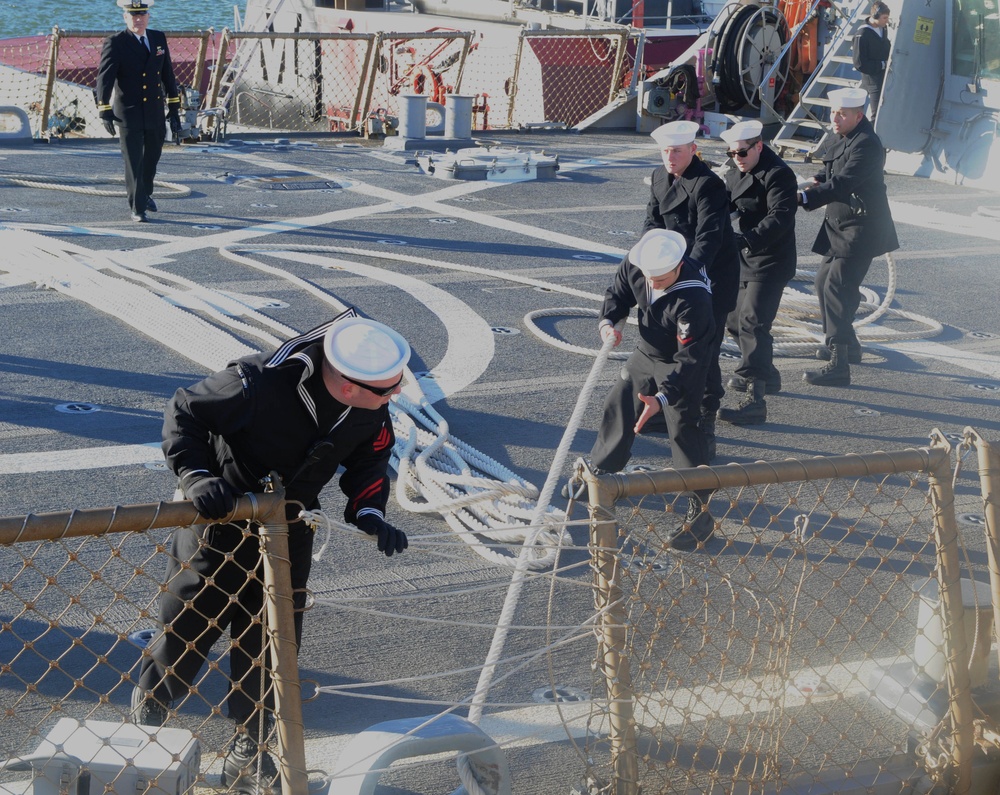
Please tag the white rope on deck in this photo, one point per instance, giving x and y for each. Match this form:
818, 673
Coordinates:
797, 329
548, 489
84, 275
438, 473
78, 184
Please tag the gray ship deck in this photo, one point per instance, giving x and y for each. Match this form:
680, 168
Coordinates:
510, 399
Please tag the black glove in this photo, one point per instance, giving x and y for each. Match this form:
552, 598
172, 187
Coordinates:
389, 538
174, 117
108, 118
213, 497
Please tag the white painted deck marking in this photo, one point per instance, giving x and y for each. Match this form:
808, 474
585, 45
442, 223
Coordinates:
470, 340
80, 458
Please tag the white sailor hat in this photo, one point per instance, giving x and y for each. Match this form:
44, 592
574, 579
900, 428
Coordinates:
742, 131
135, 6
675, 133
848, 98
658, 252
365, 349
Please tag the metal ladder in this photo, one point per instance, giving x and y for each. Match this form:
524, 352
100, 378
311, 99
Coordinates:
221, 94
807, 127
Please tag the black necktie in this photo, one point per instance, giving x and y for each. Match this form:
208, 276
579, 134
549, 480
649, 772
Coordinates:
144, 43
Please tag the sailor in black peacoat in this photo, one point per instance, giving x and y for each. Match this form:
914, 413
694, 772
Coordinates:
857, 226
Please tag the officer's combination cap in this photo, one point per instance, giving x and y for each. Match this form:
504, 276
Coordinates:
135, 6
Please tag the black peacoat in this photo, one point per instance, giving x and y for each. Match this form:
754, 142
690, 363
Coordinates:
765, 200
140, 76
852, 188
697, 206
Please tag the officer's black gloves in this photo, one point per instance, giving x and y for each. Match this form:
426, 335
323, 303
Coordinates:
389, 538
213, 497
174, 117
108, 119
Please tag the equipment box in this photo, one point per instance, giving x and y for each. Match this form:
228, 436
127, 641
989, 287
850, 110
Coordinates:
97, 757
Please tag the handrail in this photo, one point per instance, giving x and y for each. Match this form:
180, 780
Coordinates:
831, 46
769, 74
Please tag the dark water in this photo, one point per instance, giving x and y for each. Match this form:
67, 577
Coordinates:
29, 18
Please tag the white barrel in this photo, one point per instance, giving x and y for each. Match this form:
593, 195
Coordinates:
458, 119
413, 116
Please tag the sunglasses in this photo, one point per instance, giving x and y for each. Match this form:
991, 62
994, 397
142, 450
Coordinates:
739, 152
381, 391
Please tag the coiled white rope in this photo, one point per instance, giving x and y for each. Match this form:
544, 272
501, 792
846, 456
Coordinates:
76, 185
476, 495
797, 329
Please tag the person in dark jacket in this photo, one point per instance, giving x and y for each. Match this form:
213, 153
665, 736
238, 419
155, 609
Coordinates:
135, 67
665, 375
871, 53
857, 227
686, 196
318, 403
762, 197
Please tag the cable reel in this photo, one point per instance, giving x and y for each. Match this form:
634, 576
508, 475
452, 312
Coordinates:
747, 45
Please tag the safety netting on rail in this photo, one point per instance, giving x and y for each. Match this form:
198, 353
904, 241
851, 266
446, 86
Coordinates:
817, 640
53, 77
834, 632
80, 617
338, 81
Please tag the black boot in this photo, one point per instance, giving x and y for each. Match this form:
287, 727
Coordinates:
772, 386
752, 410
707, 426
248, 769
836, 373
146, 710
697, 528
853, 353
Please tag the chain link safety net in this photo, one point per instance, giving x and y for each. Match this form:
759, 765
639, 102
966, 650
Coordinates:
53, 77
799, 648
78, 621
292, 82
330, 82
810, 643
564, 78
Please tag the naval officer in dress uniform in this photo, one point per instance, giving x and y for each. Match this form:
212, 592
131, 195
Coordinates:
686, 196
135, 67
857, 228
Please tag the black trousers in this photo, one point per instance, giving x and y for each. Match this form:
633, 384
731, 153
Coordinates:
838, 287
622, 407
873, 85
714, 390
750, 322
141, 149
214, 582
